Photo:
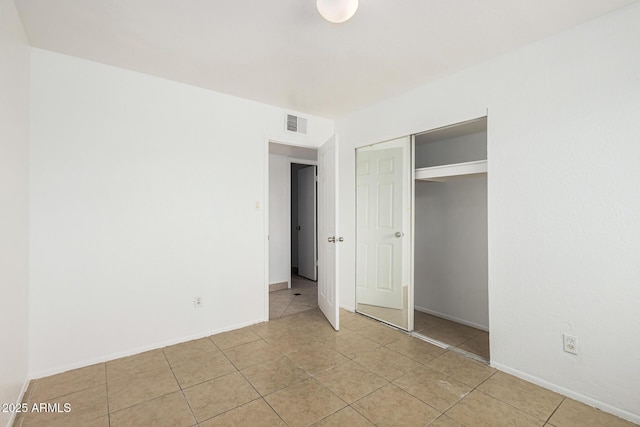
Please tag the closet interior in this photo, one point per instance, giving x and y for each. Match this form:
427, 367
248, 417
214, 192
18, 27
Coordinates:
450, 237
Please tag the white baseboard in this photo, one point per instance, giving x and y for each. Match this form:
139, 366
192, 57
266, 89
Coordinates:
279, 286
348, 308
453, 319
629, 416
12, 416
137, 350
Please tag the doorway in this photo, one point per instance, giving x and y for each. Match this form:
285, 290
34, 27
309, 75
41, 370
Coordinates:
327, 225
292, 230
302, 294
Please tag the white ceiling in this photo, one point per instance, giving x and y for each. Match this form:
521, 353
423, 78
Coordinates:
283, 53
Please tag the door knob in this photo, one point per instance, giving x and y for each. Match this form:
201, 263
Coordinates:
399, 234
340, 239
332, 239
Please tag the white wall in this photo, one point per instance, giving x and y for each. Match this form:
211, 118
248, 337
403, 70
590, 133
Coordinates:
14, 149
279, 219
450, 273
143, 196
563, 201
460, 149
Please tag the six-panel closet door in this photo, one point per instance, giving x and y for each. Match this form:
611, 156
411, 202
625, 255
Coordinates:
383, 231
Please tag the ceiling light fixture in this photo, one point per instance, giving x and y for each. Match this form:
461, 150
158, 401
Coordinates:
337, 11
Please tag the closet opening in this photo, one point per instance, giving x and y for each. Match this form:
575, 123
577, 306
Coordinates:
450, 237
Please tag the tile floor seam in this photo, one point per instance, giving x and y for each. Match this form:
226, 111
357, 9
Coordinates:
244, 343
67, 394
180, 389
443, 415
424, 401
548, 421
410, 358
203, 381
226, 411
329, 415
513, 406
145, 401
106, 385
502, 401
227, 357
427, 403
231, 361
171, 369
467, 394
185, 396
363, 415
274, 410
321, 385
467, 340
371, 392
212, 342
476, 387
468, 358
250, 383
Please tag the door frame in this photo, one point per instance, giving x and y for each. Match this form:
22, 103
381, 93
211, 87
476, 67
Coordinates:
265, 210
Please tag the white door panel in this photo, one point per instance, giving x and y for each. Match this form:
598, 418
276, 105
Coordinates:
380, 218
327, 231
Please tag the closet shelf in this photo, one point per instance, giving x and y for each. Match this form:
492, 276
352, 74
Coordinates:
442, 173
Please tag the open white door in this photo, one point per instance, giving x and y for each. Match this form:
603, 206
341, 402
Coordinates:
328, 242
307, 247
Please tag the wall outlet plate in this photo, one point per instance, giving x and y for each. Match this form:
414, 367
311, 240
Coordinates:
197, 302
570, 343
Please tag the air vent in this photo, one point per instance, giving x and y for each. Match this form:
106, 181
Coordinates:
296, 124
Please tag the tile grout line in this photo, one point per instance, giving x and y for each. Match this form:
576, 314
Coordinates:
509, 404
194, 385
180, 386
258, 392
427, 403
229, 410
391, 382
106, 385
467, 394
555, 410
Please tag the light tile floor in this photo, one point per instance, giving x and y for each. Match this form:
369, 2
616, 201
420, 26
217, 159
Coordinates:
454, 334
464, 337
285, 301
297, 371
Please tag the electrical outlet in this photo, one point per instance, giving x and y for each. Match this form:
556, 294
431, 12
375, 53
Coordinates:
570, 344
197, 302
